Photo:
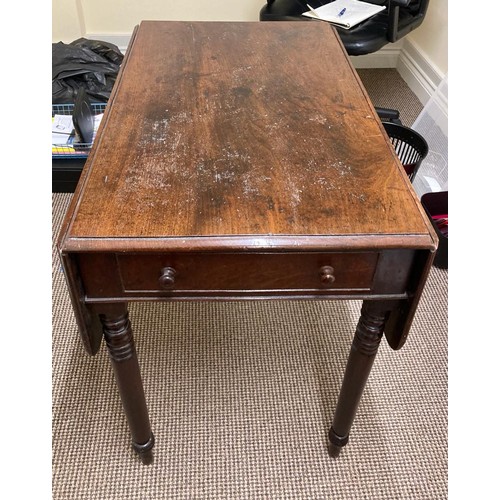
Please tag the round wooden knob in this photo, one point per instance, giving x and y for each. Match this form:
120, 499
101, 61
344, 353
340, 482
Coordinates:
167, 277
326, 275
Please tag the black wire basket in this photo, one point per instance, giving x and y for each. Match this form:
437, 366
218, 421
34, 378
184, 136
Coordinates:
409, 145
74, 149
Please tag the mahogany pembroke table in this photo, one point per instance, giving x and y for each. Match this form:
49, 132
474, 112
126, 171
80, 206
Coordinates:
235, 161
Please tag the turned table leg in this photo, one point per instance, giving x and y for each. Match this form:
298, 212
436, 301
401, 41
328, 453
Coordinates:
362, 355
121, 349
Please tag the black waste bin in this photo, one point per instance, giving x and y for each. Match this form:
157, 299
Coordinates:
409, 145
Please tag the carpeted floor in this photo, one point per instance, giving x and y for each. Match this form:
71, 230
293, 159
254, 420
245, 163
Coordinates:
241, 398
388, 90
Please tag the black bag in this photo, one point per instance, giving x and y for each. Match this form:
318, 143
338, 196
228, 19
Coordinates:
91, 64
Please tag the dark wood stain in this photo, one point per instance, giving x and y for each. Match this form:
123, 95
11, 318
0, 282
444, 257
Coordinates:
209, 135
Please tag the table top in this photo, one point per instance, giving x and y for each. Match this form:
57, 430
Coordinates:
242, 135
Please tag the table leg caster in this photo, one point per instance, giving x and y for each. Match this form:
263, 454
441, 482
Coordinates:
336, 443
145, 451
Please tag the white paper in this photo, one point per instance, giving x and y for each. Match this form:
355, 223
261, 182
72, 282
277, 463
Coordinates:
97, 122
354, 13
62, 128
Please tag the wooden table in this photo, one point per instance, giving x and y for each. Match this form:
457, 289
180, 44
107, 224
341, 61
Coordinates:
242, 161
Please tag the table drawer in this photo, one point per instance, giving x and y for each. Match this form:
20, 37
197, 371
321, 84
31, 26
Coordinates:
251, 271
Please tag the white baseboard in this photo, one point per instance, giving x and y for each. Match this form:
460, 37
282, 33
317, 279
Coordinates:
120, 40
386, 57
412, 64
418, 72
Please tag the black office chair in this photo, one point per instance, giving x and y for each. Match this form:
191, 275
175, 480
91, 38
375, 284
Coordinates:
396, 21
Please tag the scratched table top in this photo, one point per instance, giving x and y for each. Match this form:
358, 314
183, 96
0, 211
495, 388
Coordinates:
224, 129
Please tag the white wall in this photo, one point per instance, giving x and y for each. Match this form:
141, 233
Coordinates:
67, 20
431, 38
101, 15
423, 60
118, 17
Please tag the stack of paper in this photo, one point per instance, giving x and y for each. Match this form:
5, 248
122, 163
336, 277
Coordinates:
62, 129
344, 13
64, 137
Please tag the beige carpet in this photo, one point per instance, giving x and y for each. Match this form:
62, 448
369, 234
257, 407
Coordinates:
388, 90
241, 396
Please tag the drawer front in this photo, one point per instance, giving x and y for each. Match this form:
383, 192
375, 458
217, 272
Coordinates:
198, 272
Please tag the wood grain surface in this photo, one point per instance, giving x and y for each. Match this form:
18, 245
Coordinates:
222, 129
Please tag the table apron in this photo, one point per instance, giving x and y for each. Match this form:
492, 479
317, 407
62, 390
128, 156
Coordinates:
198, 275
